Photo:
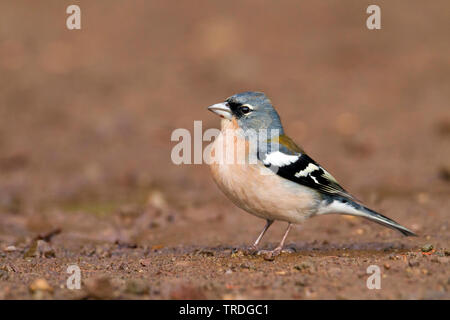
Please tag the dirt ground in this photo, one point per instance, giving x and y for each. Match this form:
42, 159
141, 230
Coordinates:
86, 177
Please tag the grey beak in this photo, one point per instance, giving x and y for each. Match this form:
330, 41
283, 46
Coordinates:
222, 110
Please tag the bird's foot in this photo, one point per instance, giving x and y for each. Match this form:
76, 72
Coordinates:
270, 255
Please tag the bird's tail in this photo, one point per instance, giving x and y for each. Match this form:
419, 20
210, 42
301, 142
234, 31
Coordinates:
385, 221
349, 207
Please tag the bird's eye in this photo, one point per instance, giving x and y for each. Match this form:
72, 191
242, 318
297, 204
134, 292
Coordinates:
245, 109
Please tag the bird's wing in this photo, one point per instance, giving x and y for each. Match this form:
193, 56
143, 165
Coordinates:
292, 163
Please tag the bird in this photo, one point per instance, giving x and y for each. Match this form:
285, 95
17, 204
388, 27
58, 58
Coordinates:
270, 176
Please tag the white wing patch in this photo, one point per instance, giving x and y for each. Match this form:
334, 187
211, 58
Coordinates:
279, 159
310, 168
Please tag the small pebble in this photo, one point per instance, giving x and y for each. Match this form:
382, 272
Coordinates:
145, 262
40, 285
10, 249
269, 257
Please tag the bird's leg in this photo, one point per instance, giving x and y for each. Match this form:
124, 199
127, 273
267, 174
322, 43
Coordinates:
253, 248
263, 232
275, 252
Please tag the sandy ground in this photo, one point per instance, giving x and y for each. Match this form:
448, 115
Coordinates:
86, 177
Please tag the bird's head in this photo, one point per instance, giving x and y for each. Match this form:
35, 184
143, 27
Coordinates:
251, 110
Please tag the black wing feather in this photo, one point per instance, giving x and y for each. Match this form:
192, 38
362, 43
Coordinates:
318, 179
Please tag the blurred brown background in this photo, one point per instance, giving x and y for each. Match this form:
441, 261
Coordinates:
86, 115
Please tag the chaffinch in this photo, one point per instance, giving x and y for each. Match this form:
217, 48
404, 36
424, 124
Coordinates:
283, 182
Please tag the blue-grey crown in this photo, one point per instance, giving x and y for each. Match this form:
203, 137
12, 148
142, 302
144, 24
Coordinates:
263, 117
251, 97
